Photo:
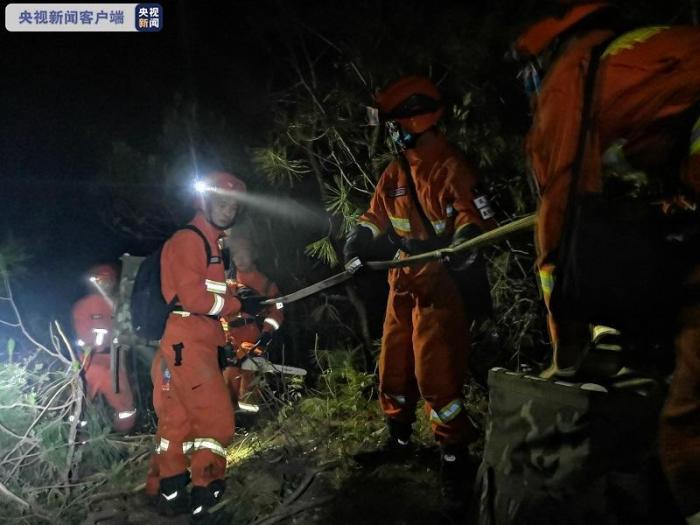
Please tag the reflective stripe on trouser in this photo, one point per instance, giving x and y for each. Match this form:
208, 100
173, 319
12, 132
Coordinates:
442, 415
567, 337
679, 435
197, 406
424, 353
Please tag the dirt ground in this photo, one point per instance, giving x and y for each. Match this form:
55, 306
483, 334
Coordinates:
291, 490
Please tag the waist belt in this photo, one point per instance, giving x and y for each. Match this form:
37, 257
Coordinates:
183, 313
238, 322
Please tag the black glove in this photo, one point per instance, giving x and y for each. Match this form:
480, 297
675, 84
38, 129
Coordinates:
356, 246
227, 356
251, 303
264, 341
414, 246
463, 260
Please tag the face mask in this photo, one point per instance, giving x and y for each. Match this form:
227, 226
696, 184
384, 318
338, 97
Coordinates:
402, 138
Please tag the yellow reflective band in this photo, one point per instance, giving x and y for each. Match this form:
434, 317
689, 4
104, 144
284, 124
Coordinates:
693, 520
446, 413
695, 139
400, 224
438, 226
376, 232
187, 446
217, 306
546, 281
460, 228
210, 444
631, 39
215, 286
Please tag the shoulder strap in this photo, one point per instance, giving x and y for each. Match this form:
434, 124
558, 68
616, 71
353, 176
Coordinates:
588, 91
196, 230
405, 166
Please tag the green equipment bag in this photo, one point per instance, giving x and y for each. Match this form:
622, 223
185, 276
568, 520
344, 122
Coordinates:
560, 453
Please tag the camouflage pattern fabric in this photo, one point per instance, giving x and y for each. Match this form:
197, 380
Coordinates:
564, 453
124, 337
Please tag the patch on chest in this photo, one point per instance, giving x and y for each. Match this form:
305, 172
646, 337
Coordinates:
482, 204
397, 192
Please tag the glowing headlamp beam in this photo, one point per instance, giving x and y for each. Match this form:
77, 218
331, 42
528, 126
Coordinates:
99, 288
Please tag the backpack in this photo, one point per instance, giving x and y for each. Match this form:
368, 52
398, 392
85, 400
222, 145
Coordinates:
149, 309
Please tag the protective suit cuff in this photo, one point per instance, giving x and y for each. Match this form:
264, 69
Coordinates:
232, 305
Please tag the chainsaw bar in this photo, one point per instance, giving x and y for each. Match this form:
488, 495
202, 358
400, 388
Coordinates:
260, 364
489, 237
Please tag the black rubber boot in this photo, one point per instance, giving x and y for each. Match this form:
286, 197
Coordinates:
174, 499
396, 449
457, 475
204, 498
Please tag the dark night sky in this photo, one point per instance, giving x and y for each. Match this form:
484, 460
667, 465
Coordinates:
65, 97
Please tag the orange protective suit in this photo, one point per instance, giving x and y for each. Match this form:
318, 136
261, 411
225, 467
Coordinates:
238, 380
646, 80
194, 406
426, 330
93, 323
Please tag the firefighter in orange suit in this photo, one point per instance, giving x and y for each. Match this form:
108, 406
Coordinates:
93, 324
425, 340
243, 328
193, 398
647, 85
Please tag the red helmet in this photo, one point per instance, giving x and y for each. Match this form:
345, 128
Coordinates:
103, 274
218, 182
542, 33
414, 102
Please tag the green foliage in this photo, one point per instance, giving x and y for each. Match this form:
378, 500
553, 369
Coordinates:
323, 250
44, 445
274, 163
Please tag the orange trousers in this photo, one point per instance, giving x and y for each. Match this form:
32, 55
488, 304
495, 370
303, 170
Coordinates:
238, 382
424, 353
679, 437
98, 381
195, 414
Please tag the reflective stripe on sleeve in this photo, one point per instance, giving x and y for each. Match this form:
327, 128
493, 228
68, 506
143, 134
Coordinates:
376, 232
439, 227
187, 446
632, 38
272, 322
215, 286
547, 280
446, 413
401, 224
695, 139
217, 306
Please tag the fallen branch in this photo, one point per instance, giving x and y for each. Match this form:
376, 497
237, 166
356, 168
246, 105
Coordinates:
8, 494
288, 513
